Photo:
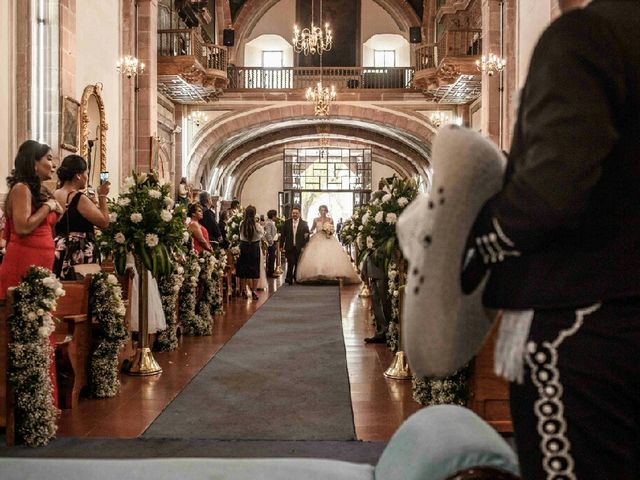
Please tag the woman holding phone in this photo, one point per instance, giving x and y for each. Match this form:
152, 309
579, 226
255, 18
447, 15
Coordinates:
75, 231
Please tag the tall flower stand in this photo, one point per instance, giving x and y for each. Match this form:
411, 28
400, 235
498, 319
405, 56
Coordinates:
278, 271
399, 368
142, 363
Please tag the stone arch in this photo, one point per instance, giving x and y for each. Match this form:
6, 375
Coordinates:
252, 123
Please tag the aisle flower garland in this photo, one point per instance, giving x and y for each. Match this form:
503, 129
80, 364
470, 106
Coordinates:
188, 292
30, 356
169, 286
207, 285
109, 311
393, 338
452, 390
221, 264
233, 231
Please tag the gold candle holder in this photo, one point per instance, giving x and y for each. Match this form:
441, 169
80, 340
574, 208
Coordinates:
142, 362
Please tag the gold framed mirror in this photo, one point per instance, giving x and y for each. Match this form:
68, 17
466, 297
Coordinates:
93, 132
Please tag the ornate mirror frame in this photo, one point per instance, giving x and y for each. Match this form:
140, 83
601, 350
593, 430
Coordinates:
96, 91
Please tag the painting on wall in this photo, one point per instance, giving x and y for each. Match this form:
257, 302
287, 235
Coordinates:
69, 124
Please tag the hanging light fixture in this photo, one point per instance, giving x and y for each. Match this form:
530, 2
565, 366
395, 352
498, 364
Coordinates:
313, 40
129, 66
197, 118
438, 119
321, 98
490, 64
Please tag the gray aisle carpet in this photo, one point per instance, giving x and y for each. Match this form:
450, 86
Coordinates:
283, 376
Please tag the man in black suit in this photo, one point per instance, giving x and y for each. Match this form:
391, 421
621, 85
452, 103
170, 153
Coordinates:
295, 235
562, 240
209, 218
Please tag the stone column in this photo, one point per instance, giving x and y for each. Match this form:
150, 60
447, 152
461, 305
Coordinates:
491, 41
178, 137
147, 93
128, 133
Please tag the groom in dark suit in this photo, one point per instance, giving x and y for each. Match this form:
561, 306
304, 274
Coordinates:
295, 235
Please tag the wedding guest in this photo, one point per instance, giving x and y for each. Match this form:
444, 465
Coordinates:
198, 232
270, 235
248, 267
183, 192
222, 226
339, 226
235, 206
75, 242
561, 240
31, 213
209, 218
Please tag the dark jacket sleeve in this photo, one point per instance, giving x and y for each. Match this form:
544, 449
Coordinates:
209, 222
566, 128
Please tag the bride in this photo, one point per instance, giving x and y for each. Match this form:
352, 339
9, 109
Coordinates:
323, 259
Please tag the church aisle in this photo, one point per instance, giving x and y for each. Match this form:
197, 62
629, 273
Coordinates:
379, 405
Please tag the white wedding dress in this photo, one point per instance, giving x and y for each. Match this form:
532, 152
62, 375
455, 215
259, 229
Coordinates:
324, 259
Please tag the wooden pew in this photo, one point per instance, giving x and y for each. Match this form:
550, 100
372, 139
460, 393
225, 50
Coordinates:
488, 393
73, 342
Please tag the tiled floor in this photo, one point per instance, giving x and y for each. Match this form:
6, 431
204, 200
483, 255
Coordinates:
379, 404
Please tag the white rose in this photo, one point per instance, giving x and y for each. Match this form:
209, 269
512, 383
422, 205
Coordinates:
386, 198
395, 293
40, 312
151, 239
180, 270
365, 218
234, 238
392, 218
403, 201
393, 274
166, 215
185, 237
136, 217
119, 238
360, 227
168, 201
43, 331
49, 282
31, 316
123, 201
112, 279
193, 279
60, 292
155, 193
369, 242
113, 216
379, 217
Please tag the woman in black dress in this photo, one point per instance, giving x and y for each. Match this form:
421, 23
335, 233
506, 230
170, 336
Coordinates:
75, 242
248, 267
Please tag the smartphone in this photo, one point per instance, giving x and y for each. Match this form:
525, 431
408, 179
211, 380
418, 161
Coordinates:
104, 176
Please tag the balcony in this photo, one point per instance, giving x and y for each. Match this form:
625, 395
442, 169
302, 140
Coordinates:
344, 78
190, 70
449, 64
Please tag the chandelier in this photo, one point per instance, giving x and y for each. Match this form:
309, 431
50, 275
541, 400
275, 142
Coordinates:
321, 98
197, 118
491, 64
438, 119
129, 66
313, 40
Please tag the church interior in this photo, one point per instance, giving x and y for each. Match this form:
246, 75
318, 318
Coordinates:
279, 105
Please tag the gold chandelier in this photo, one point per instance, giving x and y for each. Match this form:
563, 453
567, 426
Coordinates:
197, 118
438, 119
313, 40
321, 98
129, 66
490, 64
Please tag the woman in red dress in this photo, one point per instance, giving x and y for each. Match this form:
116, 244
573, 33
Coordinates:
198, 232
31, 213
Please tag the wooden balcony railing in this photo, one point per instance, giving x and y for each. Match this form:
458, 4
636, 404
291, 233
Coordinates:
453, 43
189, 41
459, 43
241, 78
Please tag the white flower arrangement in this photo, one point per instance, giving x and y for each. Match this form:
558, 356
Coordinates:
151, 240
30, 354
328, 229
109, 311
